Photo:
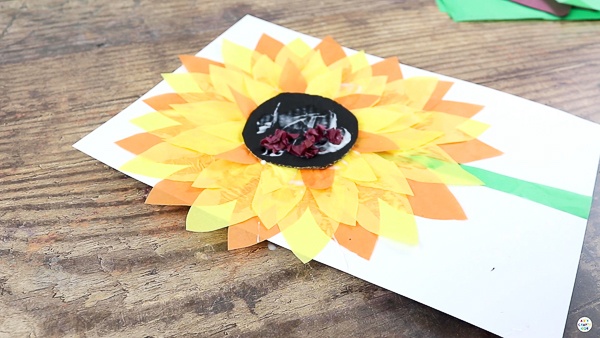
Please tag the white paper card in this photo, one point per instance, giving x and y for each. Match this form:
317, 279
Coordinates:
510, 268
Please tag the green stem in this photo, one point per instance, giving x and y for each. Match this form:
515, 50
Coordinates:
575, 204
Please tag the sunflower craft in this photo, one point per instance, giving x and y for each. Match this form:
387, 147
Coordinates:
308, 142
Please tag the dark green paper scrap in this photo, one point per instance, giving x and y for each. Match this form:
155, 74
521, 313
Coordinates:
570, 202
487, 10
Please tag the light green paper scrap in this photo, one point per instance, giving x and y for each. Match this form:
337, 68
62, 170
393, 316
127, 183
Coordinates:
441, 5
449, 173
487, 10
570, 202
591, 4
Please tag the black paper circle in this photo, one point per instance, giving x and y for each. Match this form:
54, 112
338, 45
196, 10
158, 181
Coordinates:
295, 114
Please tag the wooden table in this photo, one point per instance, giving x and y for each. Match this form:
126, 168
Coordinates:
82, 255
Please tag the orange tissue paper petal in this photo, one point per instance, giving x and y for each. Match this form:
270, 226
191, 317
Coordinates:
388, 67
463, 109
291, 80
248, 233
168, 192
164, 101
469, 151
440, 90
139, 143
269, 46
356, 239
331, 51
240, 154
195, 64
245, 104
435, 201
318, 178
372, 143
357, 101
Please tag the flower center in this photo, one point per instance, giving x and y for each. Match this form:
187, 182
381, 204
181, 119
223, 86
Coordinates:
300, 131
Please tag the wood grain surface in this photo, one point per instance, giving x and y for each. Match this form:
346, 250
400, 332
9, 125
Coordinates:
81, 255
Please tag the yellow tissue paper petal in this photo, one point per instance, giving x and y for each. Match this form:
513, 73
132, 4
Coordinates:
227, 175
209, 218
315, 66
272, 207
395, 200
142, 166
208, 197
327, 224
418, 89
449, 124
275, 196
435, 152
242, 193
203, 142
266, 71
258, 91
230, 131
325, 85
359, 61
237, 56
389, 176
340, 201
361, 76
413, 170
243, 208
473, 128
368, 208
299, 47
369, 214
209, 112
411, 138
168, 154
345, 66
183, 82
154, 121
421, 175
188, 174
354, 167
409, 118
203, 82
305, 237
385, 119
354, 83
397, 225
294, 52
368, 219
223, 79
274, 177
376, 86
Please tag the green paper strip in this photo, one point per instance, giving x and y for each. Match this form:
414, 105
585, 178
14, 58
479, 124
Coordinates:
591, 4
574, 204
450, 173
479, 10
